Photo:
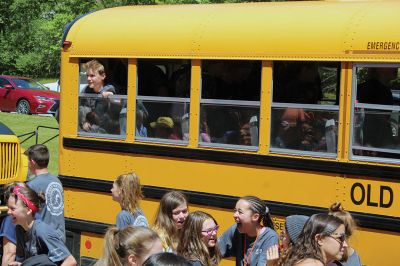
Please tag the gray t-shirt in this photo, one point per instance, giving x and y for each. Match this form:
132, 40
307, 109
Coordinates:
40, 239
125, 218
52, 211
232, 244
353, 260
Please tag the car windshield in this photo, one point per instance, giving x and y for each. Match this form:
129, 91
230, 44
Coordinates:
28, 83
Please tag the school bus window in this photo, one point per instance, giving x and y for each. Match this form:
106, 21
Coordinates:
375, 120
162, 107
305, 109
230, 103
102, 98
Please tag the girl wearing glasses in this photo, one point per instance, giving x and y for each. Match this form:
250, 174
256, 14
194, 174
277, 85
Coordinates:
252, 234
170, 218
351, 257
198, 240
127, 192
322, 240
37, 242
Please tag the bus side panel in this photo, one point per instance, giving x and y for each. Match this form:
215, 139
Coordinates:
210, 177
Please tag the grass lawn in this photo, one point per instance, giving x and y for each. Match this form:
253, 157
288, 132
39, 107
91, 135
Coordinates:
47, 80
22, 124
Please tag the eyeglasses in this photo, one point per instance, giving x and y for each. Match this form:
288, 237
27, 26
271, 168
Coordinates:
210, 230
339, 238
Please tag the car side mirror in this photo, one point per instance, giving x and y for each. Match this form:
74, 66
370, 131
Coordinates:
8, 87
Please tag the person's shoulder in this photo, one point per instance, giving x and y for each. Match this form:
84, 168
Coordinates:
309, 262
269, 233
40, 228
109, 87
43, 231
195, 263
123, 214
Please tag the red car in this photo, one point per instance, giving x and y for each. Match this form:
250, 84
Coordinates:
26, 96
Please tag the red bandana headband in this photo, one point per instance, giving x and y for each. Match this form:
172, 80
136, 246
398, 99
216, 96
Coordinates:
22, 197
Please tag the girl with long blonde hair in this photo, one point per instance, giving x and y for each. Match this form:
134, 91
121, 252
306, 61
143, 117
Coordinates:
170, 218
127, 192
198, 240
129, 246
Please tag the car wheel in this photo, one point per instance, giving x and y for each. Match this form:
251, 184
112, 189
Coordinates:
23, 107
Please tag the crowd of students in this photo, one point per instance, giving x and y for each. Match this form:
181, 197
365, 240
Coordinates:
34, 230
180, 237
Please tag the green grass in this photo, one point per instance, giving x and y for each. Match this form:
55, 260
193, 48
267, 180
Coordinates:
47, 80
22, 124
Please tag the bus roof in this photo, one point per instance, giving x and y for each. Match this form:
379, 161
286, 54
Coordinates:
330, 30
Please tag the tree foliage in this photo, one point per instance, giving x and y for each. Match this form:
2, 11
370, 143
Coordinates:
31, 31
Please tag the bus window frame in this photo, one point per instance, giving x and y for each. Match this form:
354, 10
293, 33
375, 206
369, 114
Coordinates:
235, 103
161, 100
316, 107
354, 105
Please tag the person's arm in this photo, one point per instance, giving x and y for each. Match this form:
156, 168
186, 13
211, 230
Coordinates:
226, 242
14, 263
107, 94
69, 261
9, 250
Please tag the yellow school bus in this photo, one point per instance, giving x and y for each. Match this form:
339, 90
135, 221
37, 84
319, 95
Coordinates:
294, 102
13, 163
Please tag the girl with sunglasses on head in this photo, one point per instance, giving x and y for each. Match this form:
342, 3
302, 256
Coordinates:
350, 257
322, 240
252, 234
127, 192
170, 219
198, 240
35, 239
129, 246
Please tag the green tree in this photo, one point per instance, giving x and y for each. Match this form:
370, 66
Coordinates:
31, 31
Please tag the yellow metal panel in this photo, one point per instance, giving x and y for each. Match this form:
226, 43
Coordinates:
372, 196
319, 30
131, 104
265, 102
69, 94
195, 92
91, 245
97, 207
210, 177
345, 111
371, 243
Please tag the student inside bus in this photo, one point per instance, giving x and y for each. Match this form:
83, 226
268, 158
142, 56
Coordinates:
231, 81
305, 128
108, 111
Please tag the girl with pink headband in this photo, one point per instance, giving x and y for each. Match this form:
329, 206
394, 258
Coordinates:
35, 237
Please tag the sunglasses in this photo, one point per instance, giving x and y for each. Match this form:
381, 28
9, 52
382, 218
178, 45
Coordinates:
210, 230
339, 238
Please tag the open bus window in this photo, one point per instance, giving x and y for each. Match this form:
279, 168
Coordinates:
305, 108
163, 96
230, 103
102, 98
375, 119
